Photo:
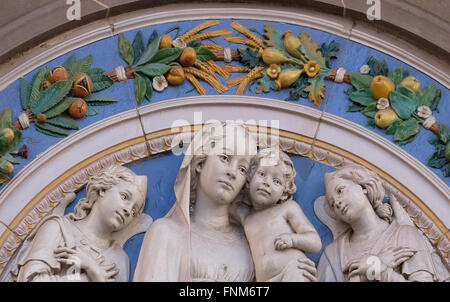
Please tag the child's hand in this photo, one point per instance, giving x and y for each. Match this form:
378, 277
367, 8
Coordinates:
283, 241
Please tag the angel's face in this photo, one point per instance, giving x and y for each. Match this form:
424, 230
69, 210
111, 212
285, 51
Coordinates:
117, 206
346, 199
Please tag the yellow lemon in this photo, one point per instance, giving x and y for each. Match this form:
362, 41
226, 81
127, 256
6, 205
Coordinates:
412, 83
381, 86
385, 117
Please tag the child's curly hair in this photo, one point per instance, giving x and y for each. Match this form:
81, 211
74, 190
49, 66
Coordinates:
274, 156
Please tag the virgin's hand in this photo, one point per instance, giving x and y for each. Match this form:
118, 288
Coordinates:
359, 267
307, 268
282, 242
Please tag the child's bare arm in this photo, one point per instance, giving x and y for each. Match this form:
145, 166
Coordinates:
305, 237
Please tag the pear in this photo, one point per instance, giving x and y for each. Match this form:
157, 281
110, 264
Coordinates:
381, 87
412, 83
287, 77
385, 117
6, 136
275, 56
291, 43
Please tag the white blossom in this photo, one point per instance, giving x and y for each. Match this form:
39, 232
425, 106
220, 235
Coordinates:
382, 103
178, 42
160, 83
365, 69
424, 112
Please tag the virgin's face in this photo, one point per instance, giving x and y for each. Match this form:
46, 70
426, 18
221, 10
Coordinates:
119, 205
266, 186
347, 199
223, 175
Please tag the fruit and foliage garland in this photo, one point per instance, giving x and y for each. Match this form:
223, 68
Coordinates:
55, 98
170, 61
10, 138
440, 159
394, 101
284, 60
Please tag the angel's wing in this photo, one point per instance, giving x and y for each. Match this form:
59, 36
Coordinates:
323, 212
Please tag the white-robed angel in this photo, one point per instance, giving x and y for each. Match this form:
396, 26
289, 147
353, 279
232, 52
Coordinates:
87, 245
374, 244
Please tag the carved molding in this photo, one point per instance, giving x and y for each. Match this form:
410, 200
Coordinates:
140, 151
100, 29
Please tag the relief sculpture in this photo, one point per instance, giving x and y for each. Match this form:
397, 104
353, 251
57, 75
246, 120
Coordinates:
373, 240
87, 245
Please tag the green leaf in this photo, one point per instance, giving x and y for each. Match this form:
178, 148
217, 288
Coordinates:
359, 80
138, 46
166, 55
63, 121
5, 119
370, 110
437, 100
100, 80
349, 90
25, 90
126, 50
100, 98
153, 37
3, 178
298, 90
69, 64
446, 170
316, 88
310, 49
140, 88
149, 89
445, 133
377, 67
36, 84
148, 54
427, 95
406, 129
354, 107
393, 127
408, 93
51, 96
249, 57
435, 140
407, 141
436, 162
204, 54
398, 75
60, 108
153, 69
402, 105
265, 84
363, 97
371, 123
91, 111
10, 158
272, 37
194, 43
83, 65
330, 51
51, 130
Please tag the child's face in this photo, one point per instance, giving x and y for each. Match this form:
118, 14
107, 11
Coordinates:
266, 186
